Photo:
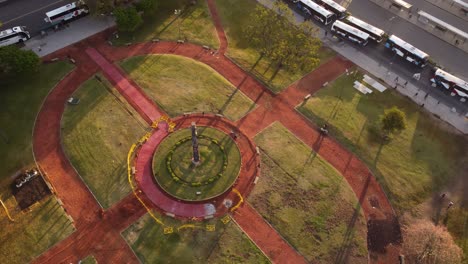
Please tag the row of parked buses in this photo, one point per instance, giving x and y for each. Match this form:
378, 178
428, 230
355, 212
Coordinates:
55, 17
360, 32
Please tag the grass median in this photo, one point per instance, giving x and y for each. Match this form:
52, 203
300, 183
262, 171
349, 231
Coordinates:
307, 201
191, 242
20, 100
180, 85
194, 24
235, 16
97, 134
415, 165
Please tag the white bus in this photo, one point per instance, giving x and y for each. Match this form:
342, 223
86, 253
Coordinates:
450, 82
13, 35
407, 51
317, 12
346, 31
375, 33
331, 5
67, 12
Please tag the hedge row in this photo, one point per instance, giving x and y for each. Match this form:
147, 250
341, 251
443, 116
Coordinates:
195, 184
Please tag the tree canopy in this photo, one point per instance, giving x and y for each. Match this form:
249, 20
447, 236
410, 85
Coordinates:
276, 37
426, 243
128, 19
16, 61
393, 120
147, 6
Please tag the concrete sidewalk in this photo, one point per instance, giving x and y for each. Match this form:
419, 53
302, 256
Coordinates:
90, 25
456, 117
420, 97
452, 7
458, 41
74, 32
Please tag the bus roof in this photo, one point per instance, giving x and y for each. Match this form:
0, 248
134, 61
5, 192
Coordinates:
335, 5
351, 29
316, 7
10, 31
408, 47
365, 25
61, 9
451, 78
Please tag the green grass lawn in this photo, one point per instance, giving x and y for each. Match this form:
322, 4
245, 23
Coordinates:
415, 163
211, 164
226, 244
20, 100
181, 85
194, 24
307, 201
457, 223
235, 16
96, 135
34, 230
420, 161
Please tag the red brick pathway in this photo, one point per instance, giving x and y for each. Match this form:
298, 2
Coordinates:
145, 106
88, 239
266, 237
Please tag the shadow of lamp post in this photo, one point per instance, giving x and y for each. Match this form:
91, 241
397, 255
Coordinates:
177, 12
388, 27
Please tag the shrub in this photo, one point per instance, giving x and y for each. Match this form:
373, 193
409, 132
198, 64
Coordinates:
147, 6
128, 19
17, 61
427, 243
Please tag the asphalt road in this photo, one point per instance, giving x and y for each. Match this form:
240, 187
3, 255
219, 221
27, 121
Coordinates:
453, 59
439, 13
27, 13
396, 64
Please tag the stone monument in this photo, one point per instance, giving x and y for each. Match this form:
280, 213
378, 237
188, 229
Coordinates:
196, 154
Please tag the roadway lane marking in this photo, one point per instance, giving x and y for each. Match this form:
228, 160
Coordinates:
34, 11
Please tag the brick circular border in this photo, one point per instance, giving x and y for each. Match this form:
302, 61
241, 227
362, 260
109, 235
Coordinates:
210, 181
249, 171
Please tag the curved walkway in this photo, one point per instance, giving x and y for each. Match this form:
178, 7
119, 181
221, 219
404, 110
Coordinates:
281, 108
101, 237
78, 202
210, 208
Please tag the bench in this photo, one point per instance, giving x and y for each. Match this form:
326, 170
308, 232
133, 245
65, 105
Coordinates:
375, 84
361, 87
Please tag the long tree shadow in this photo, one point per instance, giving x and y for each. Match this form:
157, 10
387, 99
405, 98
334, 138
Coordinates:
345, 247
223, 108
377, 155
348, 238
228, 101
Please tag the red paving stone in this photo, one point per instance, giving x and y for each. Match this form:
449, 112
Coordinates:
78, 202
223, 43
266, 237
101, 237
212, 207
134, 95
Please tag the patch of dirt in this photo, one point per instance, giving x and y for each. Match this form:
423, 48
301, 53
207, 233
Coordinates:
382, 233
29, 191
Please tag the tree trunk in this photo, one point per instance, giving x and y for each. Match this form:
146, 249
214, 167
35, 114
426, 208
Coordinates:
280, 65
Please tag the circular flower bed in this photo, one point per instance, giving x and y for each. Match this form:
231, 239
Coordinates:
218, 169
213, 175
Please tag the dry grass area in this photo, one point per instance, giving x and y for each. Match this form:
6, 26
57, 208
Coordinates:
181, 85
307, 201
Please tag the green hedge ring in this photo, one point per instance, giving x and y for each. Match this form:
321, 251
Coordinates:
181, 180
